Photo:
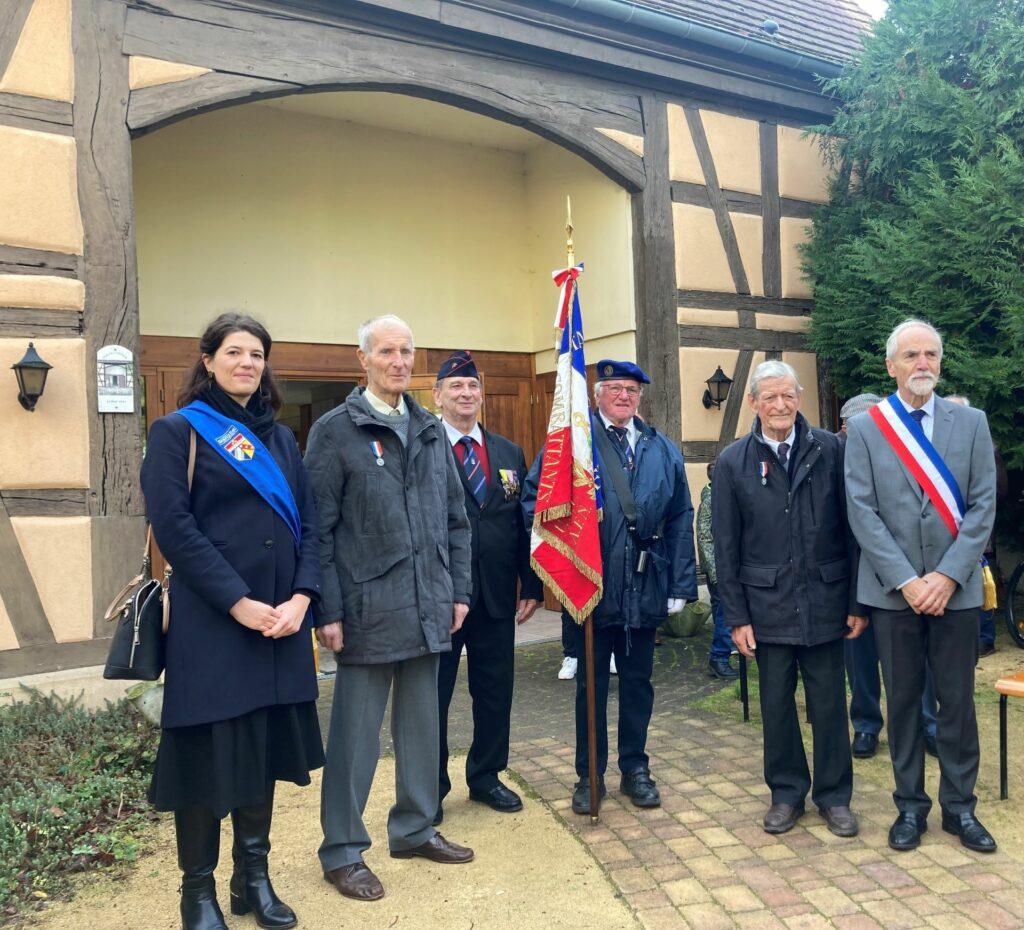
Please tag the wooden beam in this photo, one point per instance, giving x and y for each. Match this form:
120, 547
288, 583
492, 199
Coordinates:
737, 398
13, 14
108, 220
771, 211
46, 502
654, 276
697, 194
52, 657
799, 209
35, 324
18, 590
716, 197
696, 450
718, 300
17, 260
727, 337
24, 112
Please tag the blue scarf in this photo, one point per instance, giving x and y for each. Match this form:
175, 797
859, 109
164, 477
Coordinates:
244, 452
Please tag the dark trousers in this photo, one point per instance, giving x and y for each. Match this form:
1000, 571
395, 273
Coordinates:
634, 660
785, 763
721, 638
490, 647
906, 642
861, 657
569, 638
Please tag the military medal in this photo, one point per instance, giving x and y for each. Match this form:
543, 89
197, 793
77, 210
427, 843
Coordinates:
509, 482
763, 469
378, 451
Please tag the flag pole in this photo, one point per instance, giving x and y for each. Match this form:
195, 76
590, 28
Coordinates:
588, 622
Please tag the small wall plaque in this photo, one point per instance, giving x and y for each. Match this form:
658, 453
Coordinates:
115, 380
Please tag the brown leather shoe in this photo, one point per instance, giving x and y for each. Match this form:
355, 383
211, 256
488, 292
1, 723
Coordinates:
356, 881
436, 849
840, 820
781, 818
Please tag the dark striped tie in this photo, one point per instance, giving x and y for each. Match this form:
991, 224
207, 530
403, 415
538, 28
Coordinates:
475, 477
621, 436
919, 415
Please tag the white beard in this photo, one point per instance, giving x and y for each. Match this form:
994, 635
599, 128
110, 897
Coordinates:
922, 385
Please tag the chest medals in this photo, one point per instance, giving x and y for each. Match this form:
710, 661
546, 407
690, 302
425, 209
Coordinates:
377, 450
763, 470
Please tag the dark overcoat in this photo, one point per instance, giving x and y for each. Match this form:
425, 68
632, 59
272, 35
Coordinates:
225, 542
394, 538
664, 510
784, 553
501, 544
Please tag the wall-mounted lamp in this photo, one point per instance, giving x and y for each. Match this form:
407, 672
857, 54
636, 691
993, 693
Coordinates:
718, 389
31, 373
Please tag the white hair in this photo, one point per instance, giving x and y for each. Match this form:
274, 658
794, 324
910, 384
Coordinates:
364, 337
772, 369
959, 399
894, 337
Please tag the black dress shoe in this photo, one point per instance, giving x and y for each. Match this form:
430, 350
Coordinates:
499, 798
864, 745
781, 818
640, 788
906, 832
439, 815
970, 830
986, 649
581, 795
437, 849
840, 820
720, 668
930, 745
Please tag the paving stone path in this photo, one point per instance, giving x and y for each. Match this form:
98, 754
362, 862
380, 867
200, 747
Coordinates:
702, 860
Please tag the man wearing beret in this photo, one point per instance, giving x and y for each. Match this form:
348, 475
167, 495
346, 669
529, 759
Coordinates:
649, 571
492, 469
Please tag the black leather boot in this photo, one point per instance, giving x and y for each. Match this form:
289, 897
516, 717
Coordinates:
250, 883
198, 833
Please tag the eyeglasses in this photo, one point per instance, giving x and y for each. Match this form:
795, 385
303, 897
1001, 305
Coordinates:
617, 389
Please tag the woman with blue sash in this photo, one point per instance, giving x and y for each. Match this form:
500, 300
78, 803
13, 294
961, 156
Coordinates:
239, 708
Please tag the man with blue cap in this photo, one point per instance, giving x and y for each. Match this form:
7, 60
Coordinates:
649, 571
492, 470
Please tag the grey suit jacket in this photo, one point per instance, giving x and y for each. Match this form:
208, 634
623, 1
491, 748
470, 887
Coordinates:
900, 534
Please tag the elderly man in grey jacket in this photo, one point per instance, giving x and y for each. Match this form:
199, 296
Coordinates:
395, 550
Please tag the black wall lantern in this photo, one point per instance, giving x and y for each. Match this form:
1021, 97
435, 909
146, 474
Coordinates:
31, 373
718, 389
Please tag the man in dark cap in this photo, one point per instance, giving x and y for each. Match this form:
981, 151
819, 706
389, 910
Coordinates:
492, 469
649, 571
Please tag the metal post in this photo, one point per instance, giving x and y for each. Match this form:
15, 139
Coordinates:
744, 693
588, 649
1004, 791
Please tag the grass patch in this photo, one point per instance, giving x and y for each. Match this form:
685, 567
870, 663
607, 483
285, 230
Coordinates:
72, 795
726, 700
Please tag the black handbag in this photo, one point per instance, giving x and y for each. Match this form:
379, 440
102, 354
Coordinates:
142, 609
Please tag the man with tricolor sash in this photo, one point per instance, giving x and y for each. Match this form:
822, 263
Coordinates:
921, 489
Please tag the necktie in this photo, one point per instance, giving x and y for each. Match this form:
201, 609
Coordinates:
621, 436
783, 454
919, 415
475, 477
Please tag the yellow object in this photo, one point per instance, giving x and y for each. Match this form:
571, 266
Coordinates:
316, 655
988, 583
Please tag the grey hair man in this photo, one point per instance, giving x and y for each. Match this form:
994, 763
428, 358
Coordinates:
920, 574
395, 550
784, 560
856, 405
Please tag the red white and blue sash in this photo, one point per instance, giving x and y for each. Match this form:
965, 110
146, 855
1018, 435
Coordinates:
907, 439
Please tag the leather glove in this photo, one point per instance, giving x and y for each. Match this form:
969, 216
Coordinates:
675, 604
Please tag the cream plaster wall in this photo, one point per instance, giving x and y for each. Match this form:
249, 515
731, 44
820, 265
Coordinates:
8, 638
39, 191
696, 478
697, 316
794, 233
58, 551
696, 365
314, 224
700, 256
806, 365
803, 172
683, 164
48, 448
746, 418
750, 240
781, 323
40, 291
150, 72
621, 347
736, 150
42, 64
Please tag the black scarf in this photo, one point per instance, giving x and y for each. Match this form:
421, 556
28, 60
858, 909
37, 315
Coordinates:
257, 416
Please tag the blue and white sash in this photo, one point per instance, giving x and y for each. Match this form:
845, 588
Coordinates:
247, 456
907, 439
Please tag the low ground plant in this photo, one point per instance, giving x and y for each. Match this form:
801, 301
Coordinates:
72, 795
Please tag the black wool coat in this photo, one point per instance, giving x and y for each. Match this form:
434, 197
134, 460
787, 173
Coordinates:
225, 542
784, 552
501, 543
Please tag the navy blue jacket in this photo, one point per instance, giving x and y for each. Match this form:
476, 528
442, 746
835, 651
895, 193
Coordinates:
664, 509
225, 543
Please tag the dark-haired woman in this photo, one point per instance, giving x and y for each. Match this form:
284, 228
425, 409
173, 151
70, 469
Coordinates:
239, 702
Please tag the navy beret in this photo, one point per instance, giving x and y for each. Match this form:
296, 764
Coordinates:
608, 369
459, 364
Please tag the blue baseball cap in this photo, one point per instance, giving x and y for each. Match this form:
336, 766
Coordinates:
608, 368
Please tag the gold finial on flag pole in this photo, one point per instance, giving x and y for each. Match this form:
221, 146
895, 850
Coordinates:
570, 251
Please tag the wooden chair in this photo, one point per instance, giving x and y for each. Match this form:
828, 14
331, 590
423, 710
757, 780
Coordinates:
1011, 686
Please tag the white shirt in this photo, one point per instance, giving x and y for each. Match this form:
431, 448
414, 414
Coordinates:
454, 435
774, 444
383, 407
928, 422
632, 433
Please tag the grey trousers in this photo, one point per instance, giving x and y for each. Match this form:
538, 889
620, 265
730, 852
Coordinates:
353, 748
